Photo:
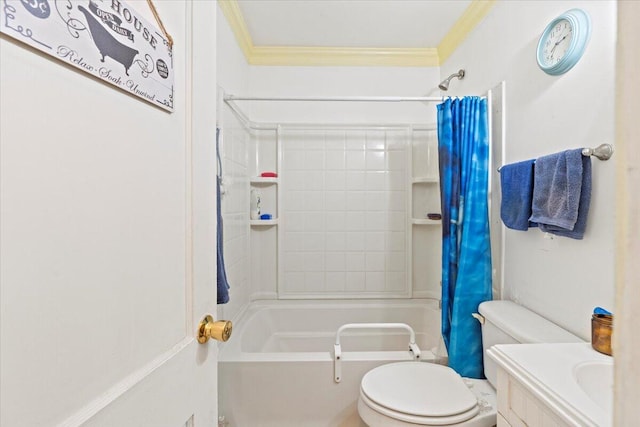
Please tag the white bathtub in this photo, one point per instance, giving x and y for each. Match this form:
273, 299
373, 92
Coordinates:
277, 370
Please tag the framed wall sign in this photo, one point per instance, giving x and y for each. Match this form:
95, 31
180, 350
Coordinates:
105, 38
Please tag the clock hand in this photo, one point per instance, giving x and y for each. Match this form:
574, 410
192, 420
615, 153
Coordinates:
558, 42
562, 39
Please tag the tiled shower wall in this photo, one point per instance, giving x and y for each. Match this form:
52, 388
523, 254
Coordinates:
344, 213
235, 213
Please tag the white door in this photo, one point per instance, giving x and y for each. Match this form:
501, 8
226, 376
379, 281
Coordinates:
107, 239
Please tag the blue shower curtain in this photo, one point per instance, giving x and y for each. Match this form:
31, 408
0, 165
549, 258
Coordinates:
463, 149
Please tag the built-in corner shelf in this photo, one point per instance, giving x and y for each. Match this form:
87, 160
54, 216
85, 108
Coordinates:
263, 180
425, 221
424, 180
263, 222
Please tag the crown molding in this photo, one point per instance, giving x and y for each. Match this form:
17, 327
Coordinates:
343, 56
352, 56
471, 17
233, 14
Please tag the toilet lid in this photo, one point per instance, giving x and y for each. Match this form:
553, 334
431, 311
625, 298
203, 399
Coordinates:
419, 389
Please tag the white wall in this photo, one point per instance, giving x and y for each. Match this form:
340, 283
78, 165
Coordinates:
344, 81
560, 278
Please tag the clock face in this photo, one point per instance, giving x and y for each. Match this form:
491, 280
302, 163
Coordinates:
563, 42
557, 42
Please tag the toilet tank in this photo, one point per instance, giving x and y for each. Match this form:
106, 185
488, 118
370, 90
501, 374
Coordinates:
506, 322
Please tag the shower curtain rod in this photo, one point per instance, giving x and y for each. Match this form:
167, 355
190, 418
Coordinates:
339, 98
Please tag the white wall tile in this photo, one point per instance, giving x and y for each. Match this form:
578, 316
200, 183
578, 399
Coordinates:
314, 261
374, 241
354, 261
355, 200
346, 216
294, 180
335, 221
356, 180
396, 160
355, 160
397, 201
374, 261
334, 180
314, 160
313, 201
396, 281
395, 261
294, 221
294, 281
295, 200
355, 221
314, 281
376, 181
395, 241
355, 241
396, 221
335, 200
396, 140
313, 241
336, 241
293, 160
335, 160
375, 281
314, 180
293, 241
376, 201
375, 160
375, 220
294, 261
335, 261
355, 281
314, 221
375, 140
397, 181
336, 281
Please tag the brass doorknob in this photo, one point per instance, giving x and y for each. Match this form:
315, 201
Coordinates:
220, 330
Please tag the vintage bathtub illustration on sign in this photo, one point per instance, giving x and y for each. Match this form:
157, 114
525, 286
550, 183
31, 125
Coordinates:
105, 38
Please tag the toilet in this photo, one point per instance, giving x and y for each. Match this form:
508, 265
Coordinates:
407, 394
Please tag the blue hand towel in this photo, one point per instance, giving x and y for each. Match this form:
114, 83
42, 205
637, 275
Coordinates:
562, 193
516, 184
223, 283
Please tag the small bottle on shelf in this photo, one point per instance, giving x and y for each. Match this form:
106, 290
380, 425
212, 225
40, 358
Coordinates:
255, 204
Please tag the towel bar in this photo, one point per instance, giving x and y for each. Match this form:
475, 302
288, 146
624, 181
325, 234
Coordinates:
602, 152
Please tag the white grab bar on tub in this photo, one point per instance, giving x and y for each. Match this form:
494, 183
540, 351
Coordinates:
414, 350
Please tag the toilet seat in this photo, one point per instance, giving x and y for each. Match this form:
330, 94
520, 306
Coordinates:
419, 393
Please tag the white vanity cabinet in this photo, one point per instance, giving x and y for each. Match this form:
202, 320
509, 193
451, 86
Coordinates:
553, 385
518, 407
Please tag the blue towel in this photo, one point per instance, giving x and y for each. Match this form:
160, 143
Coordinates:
562, 193
516, 184
223, 283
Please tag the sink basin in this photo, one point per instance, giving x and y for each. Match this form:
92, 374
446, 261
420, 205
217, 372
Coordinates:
596, 380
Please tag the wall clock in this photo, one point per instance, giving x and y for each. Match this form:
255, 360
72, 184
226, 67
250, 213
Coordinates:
563, 42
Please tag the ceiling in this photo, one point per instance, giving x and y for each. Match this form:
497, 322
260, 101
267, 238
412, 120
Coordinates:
351, 32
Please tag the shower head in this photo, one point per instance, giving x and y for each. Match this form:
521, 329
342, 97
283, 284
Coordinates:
444, 85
